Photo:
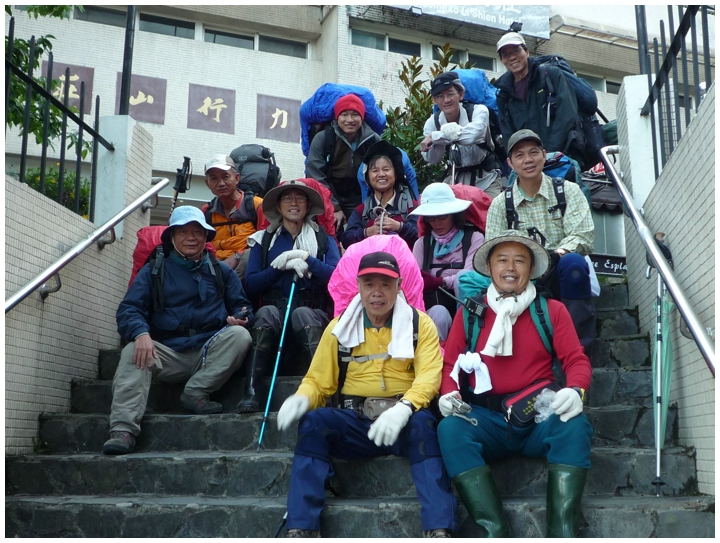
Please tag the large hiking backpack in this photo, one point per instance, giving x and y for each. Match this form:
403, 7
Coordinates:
257, 168
586, 101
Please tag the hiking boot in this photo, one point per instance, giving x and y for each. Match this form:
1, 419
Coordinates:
257, 364
438, 532
200, 405
302, 533
119, 443
308, 337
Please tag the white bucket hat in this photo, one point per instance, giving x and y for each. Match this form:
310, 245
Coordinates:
183, 215
439, 199
540, 254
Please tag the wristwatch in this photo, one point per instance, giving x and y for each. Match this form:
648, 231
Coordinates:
409, 404
580, 391
237, 255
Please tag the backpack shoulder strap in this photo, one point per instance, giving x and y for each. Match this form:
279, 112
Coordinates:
415, 325
265, 244
322, 242
367, 208
512, 216
471, 317
249, 203
540, 315
404, 202
216, 271
329, 149
469, 108
469, 230
558, 184
428, 245
156, 275
436, 116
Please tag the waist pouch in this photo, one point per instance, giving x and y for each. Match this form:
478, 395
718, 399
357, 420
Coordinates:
519, 407
371, 407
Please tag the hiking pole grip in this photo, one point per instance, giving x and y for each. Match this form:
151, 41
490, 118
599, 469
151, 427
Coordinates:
277, 359
181, 179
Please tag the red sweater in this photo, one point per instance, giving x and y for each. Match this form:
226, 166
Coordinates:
530, 360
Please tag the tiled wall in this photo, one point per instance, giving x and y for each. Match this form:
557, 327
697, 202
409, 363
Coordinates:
49, 343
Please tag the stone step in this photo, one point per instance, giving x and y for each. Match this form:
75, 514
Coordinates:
612, 296
620, 352
616, 472
624, 425
89, 516
617, 321
609, 386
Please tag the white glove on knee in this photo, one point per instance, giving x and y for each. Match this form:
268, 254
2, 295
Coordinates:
280, 263
446, 408
567, 404
451, 131
386, 429
292, 409
299, 265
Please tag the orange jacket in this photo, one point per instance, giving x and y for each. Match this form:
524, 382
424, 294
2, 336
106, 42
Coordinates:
230, 238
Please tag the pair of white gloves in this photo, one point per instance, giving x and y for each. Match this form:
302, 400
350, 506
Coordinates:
567, 404
451, 131
384, 431
292, 260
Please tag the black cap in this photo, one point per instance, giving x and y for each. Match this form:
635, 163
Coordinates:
443, 82
379, 262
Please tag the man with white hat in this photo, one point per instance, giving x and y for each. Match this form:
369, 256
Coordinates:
524, 100
232, 212
185, 315
498, 361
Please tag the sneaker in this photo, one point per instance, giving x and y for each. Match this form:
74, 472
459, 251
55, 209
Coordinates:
302, 533
438, 532
200, 405
119, 443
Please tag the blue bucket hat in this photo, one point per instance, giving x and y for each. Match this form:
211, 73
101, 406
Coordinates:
184, 215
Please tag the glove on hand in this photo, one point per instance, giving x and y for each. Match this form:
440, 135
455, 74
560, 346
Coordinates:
280, 263
386, 429
431, 282
299, 265
451, 131
567, 404
446, 408
292, 409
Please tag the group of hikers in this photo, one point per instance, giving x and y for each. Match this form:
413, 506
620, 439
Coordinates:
395, 365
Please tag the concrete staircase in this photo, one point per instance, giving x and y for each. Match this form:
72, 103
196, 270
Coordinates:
200, 476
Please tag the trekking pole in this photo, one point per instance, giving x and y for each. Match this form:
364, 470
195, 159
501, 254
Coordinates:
281, 525
277, 359
181, 180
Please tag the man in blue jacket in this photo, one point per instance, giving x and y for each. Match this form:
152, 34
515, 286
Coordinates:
186, 316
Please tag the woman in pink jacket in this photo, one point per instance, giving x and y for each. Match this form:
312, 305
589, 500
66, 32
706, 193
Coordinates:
446, 248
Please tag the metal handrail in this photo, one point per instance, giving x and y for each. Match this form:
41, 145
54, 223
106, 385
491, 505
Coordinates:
661, 264
23, 293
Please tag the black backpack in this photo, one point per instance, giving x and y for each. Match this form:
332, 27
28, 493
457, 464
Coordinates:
257, 168
248, 203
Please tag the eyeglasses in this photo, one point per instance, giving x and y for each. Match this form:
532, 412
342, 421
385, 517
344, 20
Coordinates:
446, 95
287, 198
436, 218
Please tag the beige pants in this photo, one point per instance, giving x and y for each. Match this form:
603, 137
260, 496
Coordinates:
131, 385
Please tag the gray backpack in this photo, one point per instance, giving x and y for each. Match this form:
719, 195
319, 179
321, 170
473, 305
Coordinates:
257, 168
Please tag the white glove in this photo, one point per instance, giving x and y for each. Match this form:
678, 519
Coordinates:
567, 404
451, 131
280, 262
299, 265
446, 407
386, 429
292, 409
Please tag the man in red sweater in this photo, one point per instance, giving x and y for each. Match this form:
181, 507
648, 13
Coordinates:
508, 357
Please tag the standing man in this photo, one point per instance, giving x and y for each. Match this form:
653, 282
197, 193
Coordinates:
231, 212
385, 384
533, 205
460, 136
337, 153
186, 316
523, 100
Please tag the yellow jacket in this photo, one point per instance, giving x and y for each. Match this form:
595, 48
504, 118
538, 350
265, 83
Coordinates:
417, 379
231, 238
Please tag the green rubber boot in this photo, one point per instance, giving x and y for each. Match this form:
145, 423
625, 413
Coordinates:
257, 363
479, 493
564, 492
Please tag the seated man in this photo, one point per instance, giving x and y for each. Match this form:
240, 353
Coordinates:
514, 358
475, 162
384, 367
557, 216
231, 212
180, 313
337, 152
293, 248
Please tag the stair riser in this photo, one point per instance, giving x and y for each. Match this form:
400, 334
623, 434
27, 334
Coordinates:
617, 322
632, 351
33, 519
612, 296
627, 473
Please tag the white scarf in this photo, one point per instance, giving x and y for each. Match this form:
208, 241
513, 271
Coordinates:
350, 328
508, 309
305, 240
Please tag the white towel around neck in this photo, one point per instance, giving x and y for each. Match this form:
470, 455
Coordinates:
508, 309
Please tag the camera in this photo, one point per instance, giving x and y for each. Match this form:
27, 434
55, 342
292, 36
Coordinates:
242, 314
459, 405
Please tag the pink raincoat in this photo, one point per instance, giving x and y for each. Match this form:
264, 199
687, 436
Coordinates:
343, 282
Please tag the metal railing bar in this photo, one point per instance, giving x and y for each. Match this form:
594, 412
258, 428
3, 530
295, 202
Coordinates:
46, 125
93, 164
676, 94
57, 103
26, 116
652, 124
8, 56
707, 349
24, 292
63, 137
661, 127
696, 67
686, 78
666, 85
706, 46
78, 150
687, 21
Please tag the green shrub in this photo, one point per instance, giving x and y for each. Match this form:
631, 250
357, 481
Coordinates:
32, 178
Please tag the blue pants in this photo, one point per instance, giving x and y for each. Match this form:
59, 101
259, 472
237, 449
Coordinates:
342, 433
465, 447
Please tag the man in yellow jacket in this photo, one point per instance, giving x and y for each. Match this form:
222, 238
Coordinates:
386, 379
230, 213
